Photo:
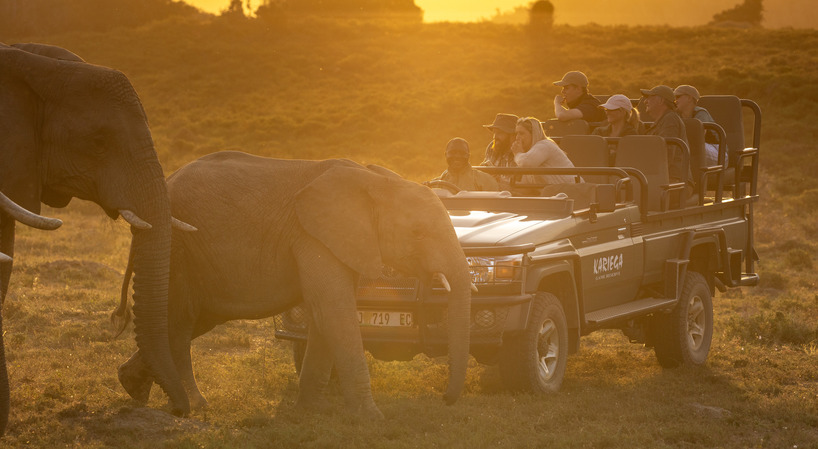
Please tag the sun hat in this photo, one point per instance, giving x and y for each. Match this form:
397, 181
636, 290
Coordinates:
504, 122
662, 91
617, 101
457, 147
575, 77
686, 89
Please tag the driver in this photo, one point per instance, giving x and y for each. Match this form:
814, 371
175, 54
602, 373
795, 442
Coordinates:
460, 172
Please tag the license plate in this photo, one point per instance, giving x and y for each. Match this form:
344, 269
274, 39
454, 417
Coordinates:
385, 319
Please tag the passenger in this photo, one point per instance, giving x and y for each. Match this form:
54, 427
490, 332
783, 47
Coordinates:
574, 102
660, 104
533, 149
622, 118
687, 99
460, 172
498, 151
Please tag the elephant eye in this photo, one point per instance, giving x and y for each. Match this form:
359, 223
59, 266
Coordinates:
418, 234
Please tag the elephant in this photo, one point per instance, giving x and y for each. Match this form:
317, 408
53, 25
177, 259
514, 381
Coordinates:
73, 129
273, 233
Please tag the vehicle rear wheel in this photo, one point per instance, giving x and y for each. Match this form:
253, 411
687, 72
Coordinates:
683, 336
535, 361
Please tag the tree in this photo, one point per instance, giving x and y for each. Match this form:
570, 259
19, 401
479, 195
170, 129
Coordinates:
751, 11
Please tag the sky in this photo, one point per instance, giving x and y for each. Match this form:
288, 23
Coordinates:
778, 13
434, 10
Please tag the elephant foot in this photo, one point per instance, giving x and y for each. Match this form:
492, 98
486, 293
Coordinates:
370, 413
136, 380
313, 405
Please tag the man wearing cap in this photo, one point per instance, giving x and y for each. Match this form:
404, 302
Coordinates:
460, 172
687, 99
574, 102
660, 104
498, 151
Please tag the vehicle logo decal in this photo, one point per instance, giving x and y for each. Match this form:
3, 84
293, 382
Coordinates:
608, 266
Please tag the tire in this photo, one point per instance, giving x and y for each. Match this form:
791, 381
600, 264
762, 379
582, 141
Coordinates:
683, 336
535, 361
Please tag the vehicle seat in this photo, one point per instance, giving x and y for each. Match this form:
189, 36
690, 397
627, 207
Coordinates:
559, 128
703, 176
587, 151
726, 111
647, 154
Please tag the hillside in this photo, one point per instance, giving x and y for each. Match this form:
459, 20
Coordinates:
394, 94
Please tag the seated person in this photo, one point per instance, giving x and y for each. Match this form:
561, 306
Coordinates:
660, 104
687, 98
460, 172
574, 102
498, 151
532, 148
623, 120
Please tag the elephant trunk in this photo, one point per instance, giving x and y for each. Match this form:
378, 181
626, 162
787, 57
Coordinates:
151, 266
459, 327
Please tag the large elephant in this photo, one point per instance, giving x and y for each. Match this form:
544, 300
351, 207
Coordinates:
72, 129
273, 233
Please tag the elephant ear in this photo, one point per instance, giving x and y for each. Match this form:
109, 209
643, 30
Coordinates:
337, 209
20, 173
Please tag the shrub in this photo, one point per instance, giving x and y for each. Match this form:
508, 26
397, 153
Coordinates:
776, 327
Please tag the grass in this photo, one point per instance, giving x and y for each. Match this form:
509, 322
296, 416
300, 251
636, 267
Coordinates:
394, 95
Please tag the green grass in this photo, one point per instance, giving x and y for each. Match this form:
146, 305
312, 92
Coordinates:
394, 95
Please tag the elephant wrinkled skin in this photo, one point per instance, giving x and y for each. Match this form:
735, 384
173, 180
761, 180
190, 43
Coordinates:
73, 129
275, 232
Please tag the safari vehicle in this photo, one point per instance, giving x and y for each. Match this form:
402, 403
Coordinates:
625, 250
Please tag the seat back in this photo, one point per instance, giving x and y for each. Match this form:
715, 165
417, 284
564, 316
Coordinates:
559, 128
587, 151
695, 141
647, 154
726, 111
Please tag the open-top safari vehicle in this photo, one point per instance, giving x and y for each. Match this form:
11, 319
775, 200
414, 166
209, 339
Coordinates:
625, 250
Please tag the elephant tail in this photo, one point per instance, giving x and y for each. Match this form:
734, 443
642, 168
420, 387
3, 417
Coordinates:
122, 315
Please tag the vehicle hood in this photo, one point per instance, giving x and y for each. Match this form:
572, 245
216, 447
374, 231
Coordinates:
480, 229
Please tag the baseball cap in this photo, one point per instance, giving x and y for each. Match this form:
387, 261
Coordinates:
661, 91
574, 77
617, 101
686, 89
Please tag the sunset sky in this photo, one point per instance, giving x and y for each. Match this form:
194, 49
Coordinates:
777, 13
434, 10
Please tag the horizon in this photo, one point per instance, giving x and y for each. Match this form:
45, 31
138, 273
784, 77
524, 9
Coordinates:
777, 13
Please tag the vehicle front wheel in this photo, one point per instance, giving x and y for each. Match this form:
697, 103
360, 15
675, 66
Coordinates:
535, 361
683, 336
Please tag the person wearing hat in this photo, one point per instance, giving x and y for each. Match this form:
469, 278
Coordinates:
498, 151
460, 172
574, 102
623, 118
660, 104
687, 99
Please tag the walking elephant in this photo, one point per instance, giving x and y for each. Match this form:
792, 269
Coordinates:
273, 233
72, 129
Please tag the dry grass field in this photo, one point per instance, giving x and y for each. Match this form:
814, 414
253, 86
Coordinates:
393, 94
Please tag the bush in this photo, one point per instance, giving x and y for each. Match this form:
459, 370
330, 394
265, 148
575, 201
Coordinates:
771, 328
799, 259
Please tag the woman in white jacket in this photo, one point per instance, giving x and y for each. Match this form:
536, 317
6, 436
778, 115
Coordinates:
533, 148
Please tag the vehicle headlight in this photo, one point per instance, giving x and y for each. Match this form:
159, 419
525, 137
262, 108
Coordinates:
491, 270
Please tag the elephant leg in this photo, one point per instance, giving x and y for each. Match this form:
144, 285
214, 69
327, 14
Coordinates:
180, 351
328, 290
136, 377
315, 372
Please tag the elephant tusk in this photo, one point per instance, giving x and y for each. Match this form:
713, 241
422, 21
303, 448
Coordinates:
134, 220
442, 278
4, 258
474, 288
27, 217
182, 226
